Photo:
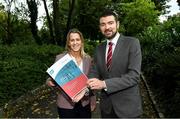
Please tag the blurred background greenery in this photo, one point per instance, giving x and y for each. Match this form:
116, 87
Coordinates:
26, 51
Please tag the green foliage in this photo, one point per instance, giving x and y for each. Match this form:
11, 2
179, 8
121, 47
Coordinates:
87, 19
89, 46
161, 63
137, 16
167, 79
23, 68
155, 43
161, 5
171, 65
19, 30
2, 29
45, 36
158, 41
172, 25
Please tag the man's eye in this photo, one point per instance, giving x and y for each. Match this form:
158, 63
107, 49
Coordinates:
102, 24
110, 23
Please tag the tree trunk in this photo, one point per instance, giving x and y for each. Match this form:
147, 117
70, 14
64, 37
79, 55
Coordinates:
33, 9
8, 29
56, 19
71, 8
49, 23
8, 36
178, 1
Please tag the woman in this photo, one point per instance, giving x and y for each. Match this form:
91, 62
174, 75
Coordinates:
66, 107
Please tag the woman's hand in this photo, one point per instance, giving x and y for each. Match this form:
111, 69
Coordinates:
50, 83
79, 96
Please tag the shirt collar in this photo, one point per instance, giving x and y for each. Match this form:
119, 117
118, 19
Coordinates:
115, 39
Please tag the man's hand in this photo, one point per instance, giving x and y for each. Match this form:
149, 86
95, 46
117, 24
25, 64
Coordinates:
96, 84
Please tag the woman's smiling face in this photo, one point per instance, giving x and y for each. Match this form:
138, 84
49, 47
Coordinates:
75, 42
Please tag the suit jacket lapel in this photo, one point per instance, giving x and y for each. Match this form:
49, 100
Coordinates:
103, 55
115, 54
116, 50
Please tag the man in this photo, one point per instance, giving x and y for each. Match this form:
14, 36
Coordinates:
116, 71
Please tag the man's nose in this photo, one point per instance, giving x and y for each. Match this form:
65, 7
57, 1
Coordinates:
107, 26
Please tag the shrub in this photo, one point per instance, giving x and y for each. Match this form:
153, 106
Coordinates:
23, 68
161, 64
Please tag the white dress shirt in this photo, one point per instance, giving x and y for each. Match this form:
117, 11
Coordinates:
80, 65
114, 42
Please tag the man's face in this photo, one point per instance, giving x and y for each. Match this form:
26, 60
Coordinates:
108, 26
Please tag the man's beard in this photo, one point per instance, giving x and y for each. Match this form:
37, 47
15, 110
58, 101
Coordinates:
112, 36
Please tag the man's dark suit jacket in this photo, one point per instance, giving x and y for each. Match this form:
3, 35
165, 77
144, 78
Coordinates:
122, 80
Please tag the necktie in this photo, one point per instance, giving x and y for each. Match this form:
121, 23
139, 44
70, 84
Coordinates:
109, 56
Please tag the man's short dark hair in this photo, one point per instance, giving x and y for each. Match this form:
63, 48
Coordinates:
109, 12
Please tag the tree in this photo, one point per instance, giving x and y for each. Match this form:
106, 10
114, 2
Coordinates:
178, 1
137, 16
71, 8
8, 39
172, 25
19, 27
2, 25
87, 17
161, 63
56, 19
33, 9
53, 41
161, 5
